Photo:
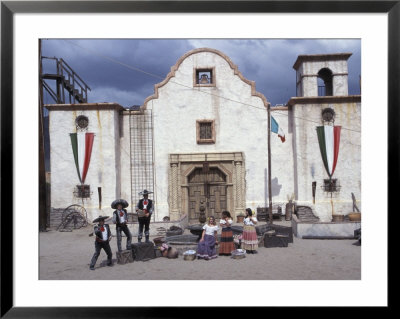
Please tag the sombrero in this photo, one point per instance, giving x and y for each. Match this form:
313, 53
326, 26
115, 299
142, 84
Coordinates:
145, 192
123, 202
100, 218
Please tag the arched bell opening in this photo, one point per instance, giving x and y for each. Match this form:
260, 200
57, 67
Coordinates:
325, 82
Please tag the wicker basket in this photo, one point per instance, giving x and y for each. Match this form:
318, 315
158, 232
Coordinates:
238, 254
158, 241
189, 255
355, 217
239, 219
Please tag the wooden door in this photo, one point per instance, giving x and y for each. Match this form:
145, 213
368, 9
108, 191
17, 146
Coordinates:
216, 200
196, 199
207, 190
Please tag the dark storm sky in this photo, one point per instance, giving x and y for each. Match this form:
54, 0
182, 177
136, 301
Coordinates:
109, 66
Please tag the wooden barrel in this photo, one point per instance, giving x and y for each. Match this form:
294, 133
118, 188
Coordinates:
288, 211
337, 218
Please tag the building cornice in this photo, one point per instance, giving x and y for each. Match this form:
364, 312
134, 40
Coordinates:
84, 106
279, 108
320, 57
195, 51
324, 99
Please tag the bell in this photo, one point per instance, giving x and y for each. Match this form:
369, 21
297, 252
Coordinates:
204, 79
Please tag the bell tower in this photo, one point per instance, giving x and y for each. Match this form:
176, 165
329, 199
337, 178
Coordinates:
322, 75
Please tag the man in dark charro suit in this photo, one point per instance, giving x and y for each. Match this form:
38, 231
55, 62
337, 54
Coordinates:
120, 218
146, 205
102, 240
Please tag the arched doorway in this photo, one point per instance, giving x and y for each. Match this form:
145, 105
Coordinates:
208, 190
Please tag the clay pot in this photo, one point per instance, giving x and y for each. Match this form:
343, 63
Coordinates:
172, 252
354, 217
202, 218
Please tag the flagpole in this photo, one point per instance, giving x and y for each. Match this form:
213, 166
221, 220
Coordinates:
269, 166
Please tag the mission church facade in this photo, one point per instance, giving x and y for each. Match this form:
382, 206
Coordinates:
200, 143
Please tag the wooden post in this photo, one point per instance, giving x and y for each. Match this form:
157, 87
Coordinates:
99, 191
42, 170
331, 190
269, 166
314, 186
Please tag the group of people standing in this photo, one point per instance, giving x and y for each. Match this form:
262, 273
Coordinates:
209, 239
207, 244
102, 232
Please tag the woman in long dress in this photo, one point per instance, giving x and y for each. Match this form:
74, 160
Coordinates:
249, 240
226, 245
206, 247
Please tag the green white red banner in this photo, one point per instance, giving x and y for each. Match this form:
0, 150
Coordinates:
329, 140
82, 144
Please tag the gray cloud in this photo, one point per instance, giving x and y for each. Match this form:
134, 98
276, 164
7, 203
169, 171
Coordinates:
267, 62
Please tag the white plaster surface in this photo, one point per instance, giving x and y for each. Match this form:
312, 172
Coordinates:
103, 169
240, 125
341, 229
308, 161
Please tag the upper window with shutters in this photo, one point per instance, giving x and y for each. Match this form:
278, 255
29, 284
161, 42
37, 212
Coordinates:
205, 131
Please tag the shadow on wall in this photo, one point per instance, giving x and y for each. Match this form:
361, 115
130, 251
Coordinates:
275, 186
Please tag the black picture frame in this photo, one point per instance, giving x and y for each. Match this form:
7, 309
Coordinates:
9, 8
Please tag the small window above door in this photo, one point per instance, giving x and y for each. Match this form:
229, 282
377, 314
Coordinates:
205, 131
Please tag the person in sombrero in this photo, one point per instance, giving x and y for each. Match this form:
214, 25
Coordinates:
144, 205
102, 241
120, 218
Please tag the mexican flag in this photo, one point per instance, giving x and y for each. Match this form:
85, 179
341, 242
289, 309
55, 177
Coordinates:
277, 129
329, 140
82, 144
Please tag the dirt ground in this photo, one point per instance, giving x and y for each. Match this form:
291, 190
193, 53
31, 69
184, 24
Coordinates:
66, 256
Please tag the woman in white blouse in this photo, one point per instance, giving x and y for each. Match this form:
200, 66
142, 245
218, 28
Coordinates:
206, 247
249, 240
226, 246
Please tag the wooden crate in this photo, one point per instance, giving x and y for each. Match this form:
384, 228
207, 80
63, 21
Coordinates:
124, 257
276, 241
143, 251
263, 215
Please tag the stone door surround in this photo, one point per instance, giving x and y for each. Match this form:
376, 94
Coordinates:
182, 165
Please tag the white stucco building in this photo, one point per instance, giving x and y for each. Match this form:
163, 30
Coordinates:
201, 141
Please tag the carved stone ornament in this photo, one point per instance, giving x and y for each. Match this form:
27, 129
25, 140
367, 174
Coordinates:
328, 115
82, 122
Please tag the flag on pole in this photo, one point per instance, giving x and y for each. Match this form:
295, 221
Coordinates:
277, 129
329, 140
82, 144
